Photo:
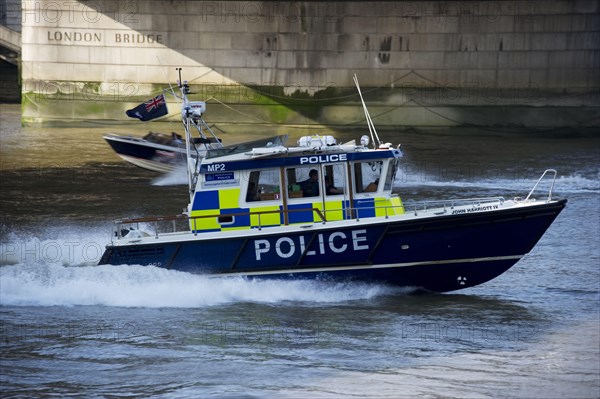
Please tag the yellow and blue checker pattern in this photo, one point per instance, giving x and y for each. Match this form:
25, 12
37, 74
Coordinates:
215, 203
209, 205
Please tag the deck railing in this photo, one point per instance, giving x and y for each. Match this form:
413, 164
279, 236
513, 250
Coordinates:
177, 223
546, 172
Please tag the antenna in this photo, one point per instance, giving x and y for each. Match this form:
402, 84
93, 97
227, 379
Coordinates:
167, 79
370, 124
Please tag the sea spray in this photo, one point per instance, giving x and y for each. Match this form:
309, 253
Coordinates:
177, 176
65, 245
148, 286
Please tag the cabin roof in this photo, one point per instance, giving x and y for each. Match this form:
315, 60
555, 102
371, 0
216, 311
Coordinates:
241, 148
279, 155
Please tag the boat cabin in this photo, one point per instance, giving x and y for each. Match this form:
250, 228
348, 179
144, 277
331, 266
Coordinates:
317, 181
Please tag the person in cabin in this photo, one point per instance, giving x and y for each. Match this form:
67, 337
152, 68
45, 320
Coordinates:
330, 189
310, 187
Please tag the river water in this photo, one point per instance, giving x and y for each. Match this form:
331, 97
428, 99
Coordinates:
69, 328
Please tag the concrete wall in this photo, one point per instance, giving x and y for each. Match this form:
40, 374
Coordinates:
436, 63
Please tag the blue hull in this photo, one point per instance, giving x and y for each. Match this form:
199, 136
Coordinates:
441, 253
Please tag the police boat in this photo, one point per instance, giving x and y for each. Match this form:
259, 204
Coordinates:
325, 210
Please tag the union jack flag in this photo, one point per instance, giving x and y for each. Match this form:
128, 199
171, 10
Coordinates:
151, 109
155, 102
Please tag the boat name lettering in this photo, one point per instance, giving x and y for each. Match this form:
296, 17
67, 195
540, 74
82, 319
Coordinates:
336, 242
324, 158
215, 167
476, 209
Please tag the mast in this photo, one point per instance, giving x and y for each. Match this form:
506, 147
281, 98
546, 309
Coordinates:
186, 113
191, 116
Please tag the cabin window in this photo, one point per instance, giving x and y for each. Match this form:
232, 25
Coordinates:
366, 176
335, 182
308, 181
303, 182
391, 174
263, 185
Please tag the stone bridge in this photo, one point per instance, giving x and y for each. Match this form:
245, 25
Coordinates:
504, 65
